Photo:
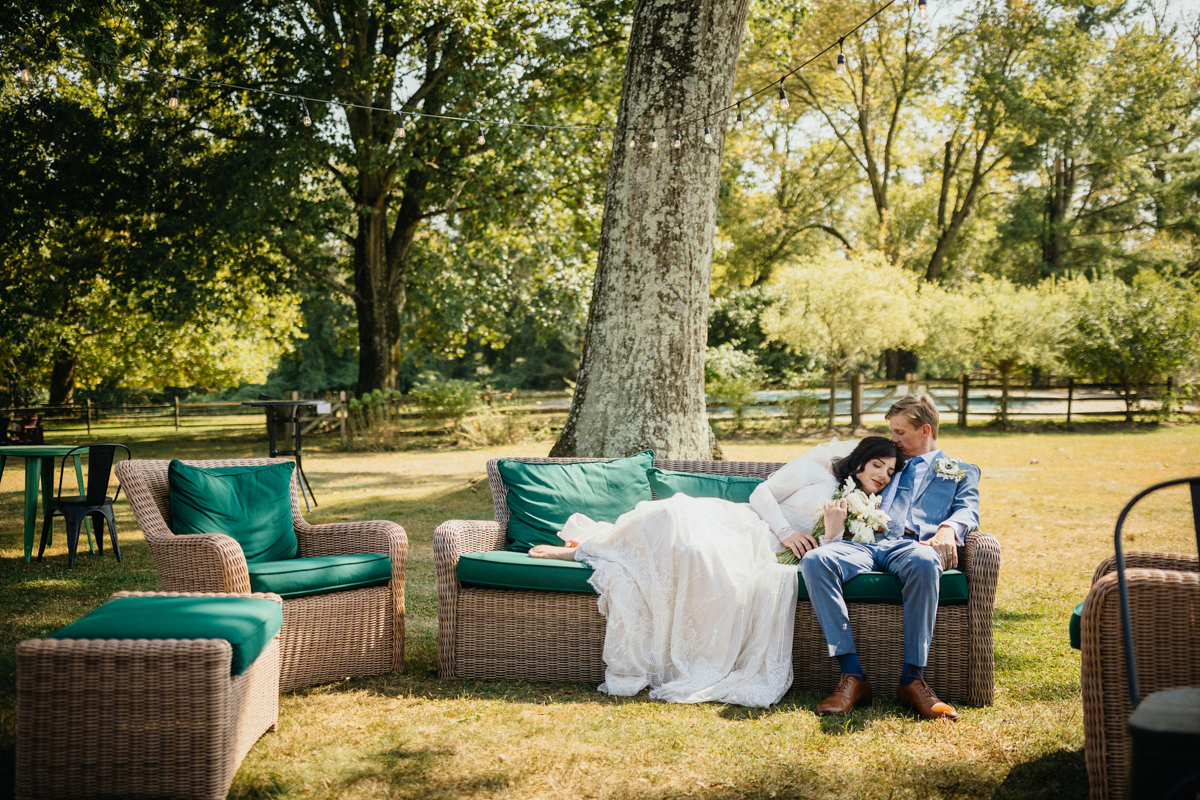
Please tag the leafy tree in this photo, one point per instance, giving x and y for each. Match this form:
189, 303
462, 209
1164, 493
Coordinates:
848, 309
732, 377
1133, 335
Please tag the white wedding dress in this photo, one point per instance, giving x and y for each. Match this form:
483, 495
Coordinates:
696, 605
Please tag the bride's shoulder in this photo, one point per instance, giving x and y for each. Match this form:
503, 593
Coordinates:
809, 469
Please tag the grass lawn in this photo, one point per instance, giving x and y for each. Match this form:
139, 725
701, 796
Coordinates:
1050, 497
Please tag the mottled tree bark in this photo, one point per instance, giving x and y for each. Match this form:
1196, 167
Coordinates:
641, 380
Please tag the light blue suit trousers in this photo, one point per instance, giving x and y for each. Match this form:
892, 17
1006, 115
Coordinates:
917, 565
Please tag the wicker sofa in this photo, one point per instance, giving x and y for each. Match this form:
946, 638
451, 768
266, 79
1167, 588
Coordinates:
489, 633
326, 637
1164, 598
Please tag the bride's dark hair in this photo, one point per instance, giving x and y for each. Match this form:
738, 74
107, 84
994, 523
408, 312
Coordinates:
871, 447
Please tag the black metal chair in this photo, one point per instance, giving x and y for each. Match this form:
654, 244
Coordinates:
95, 504
1164, 729
283, 425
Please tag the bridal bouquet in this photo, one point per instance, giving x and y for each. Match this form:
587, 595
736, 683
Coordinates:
863, 521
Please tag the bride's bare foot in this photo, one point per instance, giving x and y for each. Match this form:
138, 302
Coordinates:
550, 551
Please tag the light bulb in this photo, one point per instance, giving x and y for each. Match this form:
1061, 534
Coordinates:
481, 140
653, 142
174, 101
707, 135
401, 132
307, 119
738, 123
841, 66
599, 141
542, 144
633, 143
678, 141
921, 8
783, 101
26, 75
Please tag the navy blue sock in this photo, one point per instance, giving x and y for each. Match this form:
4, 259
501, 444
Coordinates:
911, 673
850, 666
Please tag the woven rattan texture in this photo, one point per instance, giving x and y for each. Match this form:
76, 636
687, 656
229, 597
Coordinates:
325, 637
1165, 608
1144, 559
554, 636
138, 717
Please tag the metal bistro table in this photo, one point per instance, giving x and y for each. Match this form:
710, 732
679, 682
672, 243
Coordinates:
280, 415
39, 471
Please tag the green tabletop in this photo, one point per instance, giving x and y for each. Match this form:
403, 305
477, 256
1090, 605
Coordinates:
39, 472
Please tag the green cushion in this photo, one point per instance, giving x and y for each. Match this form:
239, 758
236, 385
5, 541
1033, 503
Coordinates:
505, 570
247, 623
253, 504
542, 496
884, 587
1075, 627
299, 577
668, 482
501, 569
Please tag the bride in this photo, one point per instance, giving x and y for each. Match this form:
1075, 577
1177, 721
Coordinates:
697, 605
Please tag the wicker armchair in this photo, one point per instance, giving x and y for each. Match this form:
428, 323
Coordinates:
325, 637
1164, 597
553, 636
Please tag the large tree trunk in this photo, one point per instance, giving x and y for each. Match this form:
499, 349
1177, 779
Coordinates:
377, 309
62, 379
641, 379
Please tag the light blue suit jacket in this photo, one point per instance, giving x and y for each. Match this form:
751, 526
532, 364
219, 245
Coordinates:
939, 500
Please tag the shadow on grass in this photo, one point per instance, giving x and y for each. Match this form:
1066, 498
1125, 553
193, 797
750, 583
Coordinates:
1004, 615
1058, 775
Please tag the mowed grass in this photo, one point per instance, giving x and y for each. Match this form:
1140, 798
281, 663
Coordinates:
1050, 498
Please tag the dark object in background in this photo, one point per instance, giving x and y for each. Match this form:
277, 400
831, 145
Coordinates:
95, 503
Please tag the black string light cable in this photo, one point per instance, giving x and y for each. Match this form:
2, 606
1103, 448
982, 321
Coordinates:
408, 116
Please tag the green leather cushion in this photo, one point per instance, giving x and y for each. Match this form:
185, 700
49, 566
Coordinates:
300, 577
247, 623
252, 504
669, 482
505, 570
1075, 626
541, 496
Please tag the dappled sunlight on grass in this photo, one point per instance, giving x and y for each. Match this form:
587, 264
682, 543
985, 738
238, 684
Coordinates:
1050, 497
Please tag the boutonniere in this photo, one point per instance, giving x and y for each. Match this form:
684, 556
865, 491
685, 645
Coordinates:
949, 469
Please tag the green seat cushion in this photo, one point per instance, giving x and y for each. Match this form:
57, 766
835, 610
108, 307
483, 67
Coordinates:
299, 577
541, 496
501, 569
1075, 626
247, 623
884, 587
252, 504
669, 482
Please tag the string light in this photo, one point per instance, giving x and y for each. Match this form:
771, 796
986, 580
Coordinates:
841, 61
481, 140
543, 143
783, 101
174, 101
26, 75
707, 135
678, 141
653, 142
738, 123
401, 132
633, 141
307, 119
599, 140
921, 8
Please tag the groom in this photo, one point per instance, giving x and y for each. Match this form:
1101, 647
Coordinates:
933, 503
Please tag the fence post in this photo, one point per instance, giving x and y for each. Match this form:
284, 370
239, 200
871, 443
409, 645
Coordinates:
856, 400
1070, 397
176, 412
964, 398
342, 415
88, 411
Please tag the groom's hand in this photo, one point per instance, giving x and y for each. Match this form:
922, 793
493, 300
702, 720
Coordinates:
799, 543
946, 546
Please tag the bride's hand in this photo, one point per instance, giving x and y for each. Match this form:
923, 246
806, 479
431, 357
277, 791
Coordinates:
836, 512
799, 543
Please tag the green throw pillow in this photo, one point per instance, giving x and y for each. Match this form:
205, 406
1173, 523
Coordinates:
542, 495
253, 504
734, 488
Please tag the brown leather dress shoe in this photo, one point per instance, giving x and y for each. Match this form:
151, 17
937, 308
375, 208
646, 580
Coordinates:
851, 692
918, 696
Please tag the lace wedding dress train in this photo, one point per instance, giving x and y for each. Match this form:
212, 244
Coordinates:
697, 607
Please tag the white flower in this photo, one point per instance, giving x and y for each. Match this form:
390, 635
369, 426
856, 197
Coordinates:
857, 503
949, 469
860, 531
848, 487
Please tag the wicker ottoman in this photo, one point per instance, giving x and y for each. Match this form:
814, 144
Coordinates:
146, 717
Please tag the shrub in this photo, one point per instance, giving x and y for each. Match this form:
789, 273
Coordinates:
732, 377
446, 400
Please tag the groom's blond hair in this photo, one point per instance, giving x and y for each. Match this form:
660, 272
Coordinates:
918, 409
